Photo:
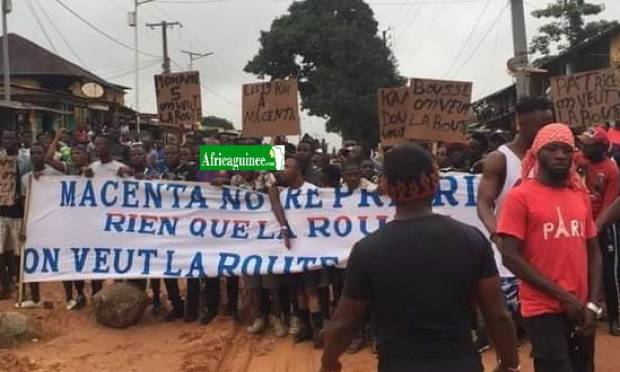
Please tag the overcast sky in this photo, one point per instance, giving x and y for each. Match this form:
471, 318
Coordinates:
430, 38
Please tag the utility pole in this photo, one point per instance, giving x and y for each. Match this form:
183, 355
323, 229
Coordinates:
194, 56
519, 39
133, 22
164, 27
7, 6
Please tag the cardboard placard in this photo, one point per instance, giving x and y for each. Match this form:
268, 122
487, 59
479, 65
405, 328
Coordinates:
178, 99
586, 99
394, 114
614, 54
8, 173
270, 108
440, 110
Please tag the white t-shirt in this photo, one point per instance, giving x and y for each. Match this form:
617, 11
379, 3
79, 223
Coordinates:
109, 169
47, 171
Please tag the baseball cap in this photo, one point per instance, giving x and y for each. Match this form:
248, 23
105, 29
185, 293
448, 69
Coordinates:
593, 136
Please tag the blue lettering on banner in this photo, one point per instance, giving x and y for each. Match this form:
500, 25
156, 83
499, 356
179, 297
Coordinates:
239, 229
325, 262
338, 226
292, 196
258, 262
147, 253
129, 194
197, 198
227, 269
101, 261
89, 195
447, 193
31, 260
339, 195
200, 229
219, 234
365, 194
50, 260
262, 226
305, 262
471, 192
118, 253
153, 195
271, 264
310, 203
251, 197
175, 187
288, 263
322, 228
227, 198
169, 260
80, 259
196, 265
67, 193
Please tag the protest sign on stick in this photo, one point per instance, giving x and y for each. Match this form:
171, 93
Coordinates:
586, 99
270, 108
394, 114
178, 99
7, 180
440, 110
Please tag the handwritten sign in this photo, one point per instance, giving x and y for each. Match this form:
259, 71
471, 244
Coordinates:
614, 54
586, 99
270, 108
8, 171
394, 114
178, 99
440, 110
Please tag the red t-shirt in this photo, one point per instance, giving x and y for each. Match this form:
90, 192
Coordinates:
554, 225
602, 180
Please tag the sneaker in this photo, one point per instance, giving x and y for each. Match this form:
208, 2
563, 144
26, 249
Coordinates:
71, 304
278, 326
257, 327
294, 326
28, 305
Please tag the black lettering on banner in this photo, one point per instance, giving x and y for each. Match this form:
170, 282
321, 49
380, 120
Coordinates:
270, 108
394, 115
586, 99
179, 99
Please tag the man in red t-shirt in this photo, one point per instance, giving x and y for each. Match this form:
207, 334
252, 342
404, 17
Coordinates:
548, 240
602, 180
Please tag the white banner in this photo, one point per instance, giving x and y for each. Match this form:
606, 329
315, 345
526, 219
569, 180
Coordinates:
102, 228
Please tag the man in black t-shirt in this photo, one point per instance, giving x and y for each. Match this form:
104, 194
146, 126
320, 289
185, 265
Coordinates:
419, 275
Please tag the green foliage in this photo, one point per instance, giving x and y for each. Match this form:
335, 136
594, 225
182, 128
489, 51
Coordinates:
217, 122
568, 26
331, 47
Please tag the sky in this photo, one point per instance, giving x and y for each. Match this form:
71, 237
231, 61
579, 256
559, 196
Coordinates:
467, 40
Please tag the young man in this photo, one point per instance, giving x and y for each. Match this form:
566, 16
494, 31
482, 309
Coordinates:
39, 168
548, 240
10, 220
423, 325
264, 289
304, 285
602, 180
502, 171
174, 170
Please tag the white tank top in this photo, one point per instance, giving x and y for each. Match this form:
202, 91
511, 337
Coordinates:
513, 175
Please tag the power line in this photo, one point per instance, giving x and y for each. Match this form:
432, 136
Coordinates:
487, 74
471, 33
62, 37
89, 24
209, 89
133, 70
426, 34
473, 52
38, 20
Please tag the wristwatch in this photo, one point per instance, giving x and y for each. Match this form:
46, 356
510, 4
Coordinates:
597, 310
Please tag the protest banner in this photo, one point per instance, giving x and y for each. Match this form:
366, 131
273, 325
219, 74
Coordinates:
440, 110
270, 109
113, 228
394, 114
586, 99
8, 169
178, 99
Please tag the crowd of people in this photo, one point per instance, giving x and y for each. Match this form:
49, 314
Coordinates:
547, 197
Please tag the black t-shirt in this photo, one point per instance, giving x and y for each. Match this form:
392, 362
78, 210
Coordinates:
420, 278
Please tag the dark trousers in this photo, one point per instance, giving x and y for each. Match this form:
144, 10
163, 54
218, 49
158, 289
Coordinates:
609, 241
96, 286
556, 347
211, 295
174, 296
68, 285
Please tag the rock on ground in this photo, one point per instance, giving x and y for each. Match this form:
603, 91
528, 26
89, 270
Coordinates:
120, 305
16, 328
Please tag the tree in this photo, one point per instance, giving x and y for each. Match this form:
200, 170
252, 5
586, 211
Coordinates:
569, 27
217, 122
331, 47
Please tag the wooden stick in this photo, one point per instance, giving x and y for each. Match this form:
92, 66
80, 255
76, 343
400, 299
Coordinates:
22, 258
435, 147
